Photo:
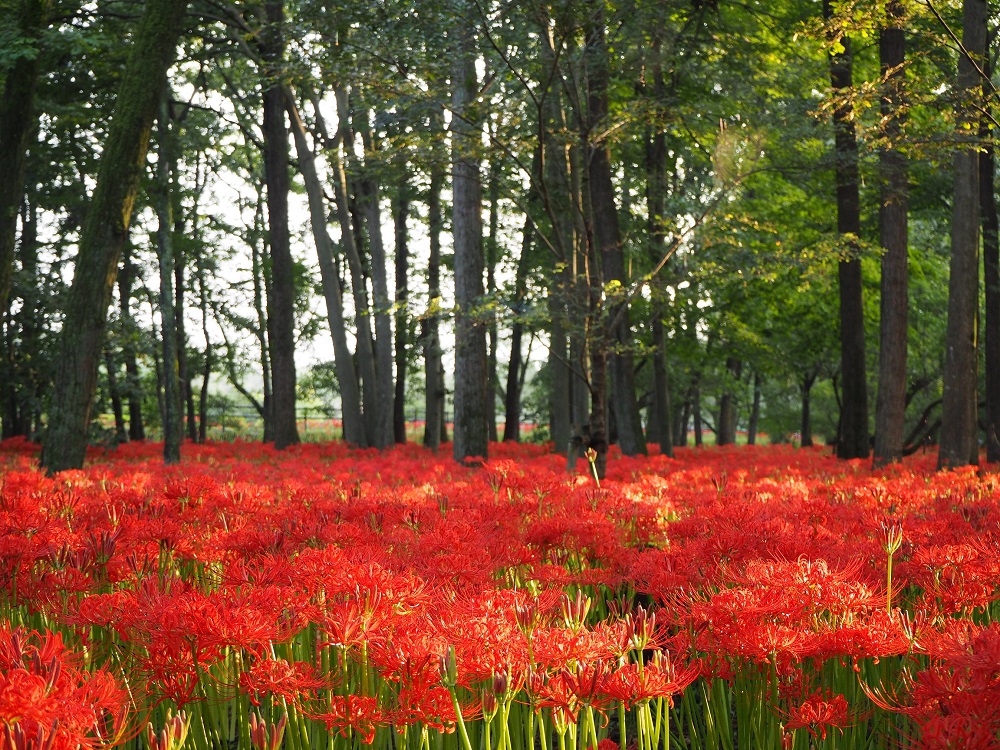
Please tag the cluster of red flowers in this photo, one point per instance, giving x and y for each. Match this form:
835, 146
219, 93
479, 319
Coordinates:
363, 594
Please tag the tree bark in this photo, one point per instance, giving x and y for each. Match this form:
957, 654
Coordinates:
472, 387
104, 233
133, 386
350, 395
259, 292
726, 429
281, 297
754, 424
959, 429
17, 120
349, 242
172, 416
805, 431
607, 236
121, 431
370, 191
991, 281
401, 215
890, 404
434, 392
512, 394
854, 440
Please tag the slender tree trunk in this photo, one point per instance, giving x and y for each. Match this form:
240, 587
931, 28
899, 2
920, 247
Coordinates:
104, 233
259, 292
173, 410
349, 243
492, 257
959, 428
401, 215
433, 368
991, 281
726, 429
17, 120
754, 411
183, 374
656, 191
660, 431
512, 394
121, 431
370, 192
350, 395
854, 440
555, 185
209, 350
699, 438
472, 387
890, 405
608, 239
133, 386
806, 429
281, 296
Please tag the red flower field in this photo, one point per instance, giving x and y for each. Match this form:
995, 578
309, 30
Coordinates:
324, 598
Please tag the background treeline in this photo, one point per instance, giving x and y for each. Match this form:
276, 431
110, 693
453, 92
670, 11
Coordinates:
696, 216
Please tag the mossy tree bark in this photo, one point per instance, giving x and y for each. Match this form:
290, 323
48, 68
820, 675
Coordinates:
104, 233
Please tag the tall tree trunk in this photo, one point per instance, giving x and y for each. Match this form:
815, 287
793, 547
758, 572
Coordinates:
281, 296
959, 428
370, 192
259, 293
209, 349
433, 369
854, 440
656, 227
554, 183
184, 376
726, 429
121, 431
349, 243
754, 424
805, 431
350, 395
172, 396
699, 438
133, 386
472, 387
890, 405
618, 336
492, 258
400, 215
991, 281
512, 394
104, 233
17, 120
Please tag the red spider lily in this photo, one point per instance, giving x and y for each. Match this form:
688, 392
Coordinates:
46, 701
281, 679
658, 678
357, 713
820, 712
